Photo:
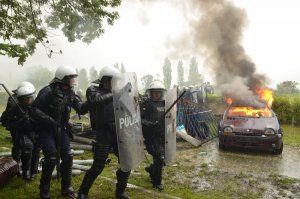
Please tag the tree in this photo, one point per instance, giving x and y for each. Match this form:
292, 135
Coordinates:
93, 74
123, 70
24, 24
287, 87
180, 73
167, 71
83, 81
39, 76
195, 78
146, 81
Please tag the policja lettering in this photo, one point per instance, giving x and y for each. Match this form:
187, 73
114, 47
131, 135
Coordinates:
128, 121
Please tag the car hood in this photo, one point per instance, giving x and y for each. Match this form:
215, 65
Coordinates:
260, 123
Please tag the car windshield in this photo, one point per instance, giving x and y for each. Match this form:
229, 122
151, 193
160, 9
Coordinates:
238, 111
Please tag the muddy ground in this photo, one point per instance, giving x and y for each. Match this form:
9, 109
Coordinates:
241, 172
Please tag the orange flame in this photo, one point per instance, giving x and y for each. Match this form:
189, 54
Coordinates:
250, 111
266, 95
228, 100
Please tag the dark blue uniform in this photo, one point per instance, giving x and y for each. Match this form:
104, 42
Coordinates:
100, 104
16, 150
24, 138
52, 111
153, 125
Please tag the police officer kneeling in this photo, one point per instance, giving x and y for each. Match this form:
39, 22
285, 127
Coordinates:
153, 123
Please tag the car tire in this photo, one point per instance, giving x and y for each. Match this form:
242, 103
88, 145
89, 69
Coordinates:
278, 151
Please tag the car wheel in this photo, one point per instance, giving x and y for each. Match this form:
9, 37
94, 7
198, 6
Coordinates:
278, 151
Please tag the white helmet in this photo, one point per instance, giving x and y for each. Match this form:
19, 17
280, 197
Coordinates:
26, 91
108, 71
65, 71
157, 85
25, 83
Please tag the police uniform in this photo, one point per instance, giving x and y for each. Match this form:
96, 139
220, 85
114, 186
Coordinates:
52, 111
101, 109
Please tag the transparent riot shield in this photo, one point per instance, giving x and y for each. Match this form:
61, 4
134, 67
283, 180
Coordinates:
170, 127
128, 120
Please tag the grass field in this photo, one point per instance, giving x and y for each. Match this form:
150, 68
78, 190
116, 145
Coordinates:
175, 179
179, 179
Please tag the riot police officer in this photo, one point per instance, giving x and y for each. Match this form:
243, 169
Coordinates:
100, 103
16, 150
23, 126
153, 123
52, 110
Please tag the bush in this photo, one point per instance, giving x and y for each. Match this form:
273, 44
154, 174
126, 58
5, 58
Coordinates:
3, 98
283, 109
287, 109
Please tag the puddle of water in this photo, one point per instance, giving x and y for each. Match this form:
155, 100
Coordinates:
288, 163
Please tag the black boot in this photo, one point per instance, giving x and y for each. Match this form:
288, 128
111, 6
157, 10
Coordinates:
122, 178
150, 171
26, 175
81, 196
44, 191
66, 176
100, 156
47, 169
157, 173
69, 192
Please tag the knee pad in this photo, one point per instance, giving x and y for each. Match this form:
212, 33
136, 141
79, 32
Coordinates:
159, 159
67, 156
50, 159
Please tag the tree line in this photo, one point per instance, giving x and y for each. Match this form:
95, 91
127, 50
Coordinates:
194, 77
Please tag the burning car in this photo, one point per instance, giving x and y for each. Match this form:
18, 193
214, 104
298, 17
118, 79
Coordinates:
250, 127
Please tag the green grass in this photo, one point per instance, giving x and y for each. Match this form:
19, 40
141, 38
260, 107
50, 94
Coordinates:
4, 142
177, 179
291, 135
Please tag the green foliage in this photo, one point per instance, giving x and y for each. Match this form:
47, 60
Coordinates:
167, 71
283, 109
83, 80
39, 76
287, 108
3, 99
180, 73
3, 141
23, 24
291, 135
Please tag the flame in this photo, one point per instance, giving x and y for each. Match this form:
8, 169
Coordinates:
228, 100
266, 95
250, 111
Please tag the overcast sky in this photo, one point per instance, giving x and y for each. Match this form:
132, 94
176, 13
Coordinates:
138, 38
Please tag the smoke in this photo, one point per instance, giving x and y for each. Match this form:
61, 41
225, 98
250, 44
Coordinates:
215, 31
